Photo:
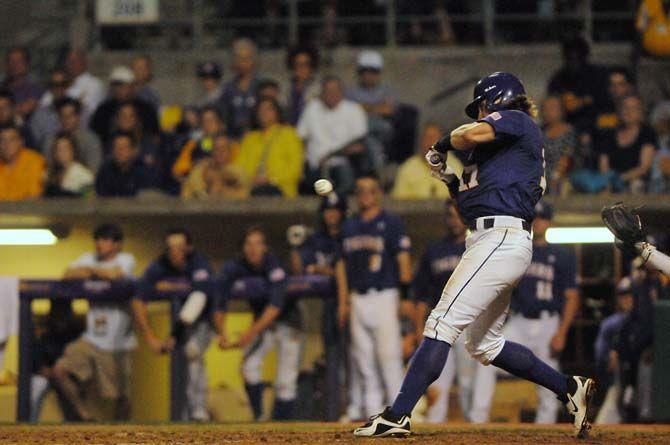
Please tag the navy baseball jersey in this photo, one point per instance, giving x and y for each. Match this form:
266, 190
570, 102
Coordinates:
552, 271
320, 249
270, 285
370, 249
506, 175
436, 266
197, 272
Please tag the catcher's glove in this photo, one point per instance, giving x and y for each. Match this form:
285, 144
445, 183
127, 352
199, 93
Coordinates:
625, 224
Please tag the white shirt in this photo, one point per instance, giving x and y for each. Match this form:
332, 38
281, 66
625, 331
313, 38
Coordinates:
90, 91
109, 326
329, 129
76, 178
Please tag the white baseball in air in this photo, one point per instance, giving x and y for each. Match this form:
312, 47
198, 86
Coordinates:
322, 187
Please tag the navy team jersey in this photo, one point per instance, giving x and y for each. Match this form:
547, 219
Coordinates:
552, 271
197, 272
370, 249
272, 285
320, 249
436, 266
505, 176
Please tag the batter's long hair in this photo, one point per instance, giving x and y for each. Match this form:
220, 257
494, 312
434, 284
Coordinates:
525, 104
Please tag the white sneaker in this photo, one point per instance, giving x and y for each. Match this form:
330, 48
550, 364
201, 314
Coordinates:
385, 424
578, 405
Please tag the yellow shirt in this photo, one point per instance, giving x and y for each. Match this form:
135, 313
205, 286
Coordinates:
24, 178
654, 25
208, 180
413, 180
276, 153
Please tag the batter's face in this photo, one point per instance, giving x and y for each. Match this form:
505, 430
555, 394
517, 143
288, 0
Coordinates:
540, 226
482, 110
455, 226
368, 193
178, 249
254, 248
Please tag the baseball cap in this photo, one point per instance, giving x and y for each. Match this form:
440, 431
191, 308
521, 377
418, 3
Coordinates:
121, 74
370, 59
333, 200
544, 210
210, 69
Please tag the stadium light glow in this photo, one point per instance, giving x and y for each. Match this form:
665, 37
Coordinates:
27, 237
579, 235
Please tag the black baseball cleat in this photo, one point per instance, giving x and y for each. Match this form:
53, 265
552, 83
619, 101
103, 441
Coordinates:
385, 424
580, 393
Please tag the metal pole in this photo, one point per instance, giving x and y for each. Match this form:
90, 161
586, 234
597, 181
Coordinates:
390, 23
293, 24
587, 6
25, 359
197, 24
488, 10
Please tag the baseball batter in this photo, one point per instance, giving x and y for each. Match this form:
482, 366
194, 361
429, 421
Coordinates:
502, 181
435, 268
371, 275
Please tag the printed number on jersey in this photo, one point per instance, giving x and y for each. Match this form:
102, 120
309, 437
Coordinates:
469, 178
544, 290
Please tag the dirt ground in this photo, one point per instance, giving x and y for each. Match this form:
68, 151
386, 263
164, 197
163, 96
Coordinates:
320, 433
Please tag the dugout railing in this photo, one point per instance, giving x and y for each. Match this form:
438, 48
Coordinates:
172, 291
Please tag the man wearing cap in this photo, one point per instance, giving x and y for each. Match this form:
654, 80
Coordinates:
544, 304
122, 91
210, 73
377, 99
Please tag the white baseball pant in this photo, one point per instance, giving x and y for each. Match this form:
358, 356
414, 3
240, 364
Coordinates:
478, 293
376, 346
536, 334
288, 341
199, 337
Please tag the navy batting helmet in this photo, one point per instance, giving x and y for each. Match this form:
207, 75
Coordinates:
333, 200
498, 90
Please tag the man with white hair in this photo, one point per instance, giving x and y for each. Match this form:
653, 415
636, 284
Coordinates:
238, 99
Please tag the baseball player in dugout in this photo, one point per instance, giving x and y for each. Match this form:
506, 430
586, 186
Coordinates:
277, 323
192, 330
435, 268
373, 274
502, 181
317, 254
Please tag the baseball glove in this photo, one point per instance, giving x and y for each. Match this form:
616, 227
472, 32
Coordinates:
624, 223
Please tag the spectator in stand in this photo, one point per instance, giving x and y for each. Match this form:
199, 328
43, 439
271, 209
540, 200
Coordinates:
653, 24
304, 84
210, 74
378, 101
22, 171
67, 176
85, 87
69, 117
268, 89
125, 173
413, 180
200, 146
142, 67
26, 91
9, 117
103, 353
216, 176
238, 100
581, 85
334, 129
181, 261
127, 120
561, 152
44, 121
660, 121
121, 91
621, 84
629, 150
272, 154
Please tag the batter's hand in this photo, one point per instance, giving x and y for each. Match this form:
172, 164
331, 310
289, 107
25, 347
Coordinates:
557, 344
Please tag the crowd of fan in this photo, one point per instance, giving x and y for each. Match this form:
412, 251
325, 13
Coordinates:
250, 136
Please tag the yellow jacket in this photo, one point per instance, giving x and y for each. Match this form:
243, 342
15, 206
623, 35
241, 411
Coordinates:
413, 180
654, 25
24, 178
279, 152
